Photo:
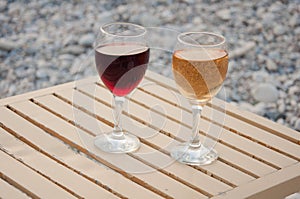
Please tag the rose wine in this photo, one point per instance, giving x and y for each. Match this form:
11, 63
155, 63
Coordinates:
199, 73
122, 66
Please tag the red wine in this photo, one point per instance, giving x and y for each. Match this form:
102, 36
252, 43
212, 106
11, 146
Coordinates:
122, 66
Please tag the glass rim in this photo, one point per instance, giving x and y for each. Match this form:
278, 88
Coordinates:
222, 42
144, 30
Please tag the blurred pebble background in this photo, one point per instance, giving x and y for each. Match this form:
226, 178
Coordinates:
45, 42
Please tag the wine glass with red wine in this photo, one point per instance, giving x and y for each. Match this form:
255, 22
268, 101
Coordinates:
121, 56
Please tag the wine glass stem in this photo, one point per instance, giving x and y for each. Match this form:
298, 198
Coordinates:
118, 131
195, 139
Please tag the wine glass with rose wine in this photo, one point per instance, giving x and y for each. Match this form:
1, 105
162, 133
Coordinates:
121, 57
199, 64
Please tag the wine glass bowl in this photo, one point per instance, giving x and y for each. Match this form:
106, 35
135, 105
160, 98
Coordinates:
199, 64
121, 57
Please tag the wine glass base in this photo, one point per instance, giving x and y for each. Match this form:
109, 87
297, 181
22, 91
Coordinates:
110, 143
193, 156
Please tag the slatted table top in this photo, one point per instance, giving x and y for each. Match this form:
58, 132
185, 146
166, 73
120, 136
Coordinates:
47, 151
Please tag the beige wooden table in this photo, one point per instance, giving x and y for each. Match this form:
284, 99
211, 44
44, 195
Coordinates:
47, 151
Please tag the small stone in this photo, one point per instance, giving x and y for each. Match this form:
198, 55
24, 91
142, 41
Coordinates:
265, 93
224, 14
87, 40
246, 106
197, 20
294, 20
274, 55
293, 90
74, 49
273, 115
281, 108
243, 50
297, 124
104, 17
259, 76
280, 121
297, 30
2, 5
42, 63
65, 63
271, 65
42, 74
268, 19
69, 40
66, 57
7, 45
279, 30
12, 89
149, 20
259, 108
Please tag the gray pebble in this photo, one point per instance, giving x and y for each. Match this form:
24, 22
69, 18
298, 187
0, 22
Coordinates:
242, 50
279, 30
3, 5
66, 57
259, 108
42, 74
149, 20
265, 93
74, 49
87, 40
260, 76
297, 124
271, 65
224, 14
293, 90
7, 45
294, 20
246, 106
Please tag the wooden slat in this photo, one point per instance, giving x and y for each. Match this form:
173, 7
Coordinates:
48, 167
18, 174
8, 191
68, 133
79, 163
276, 185
46, 91
182, 132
